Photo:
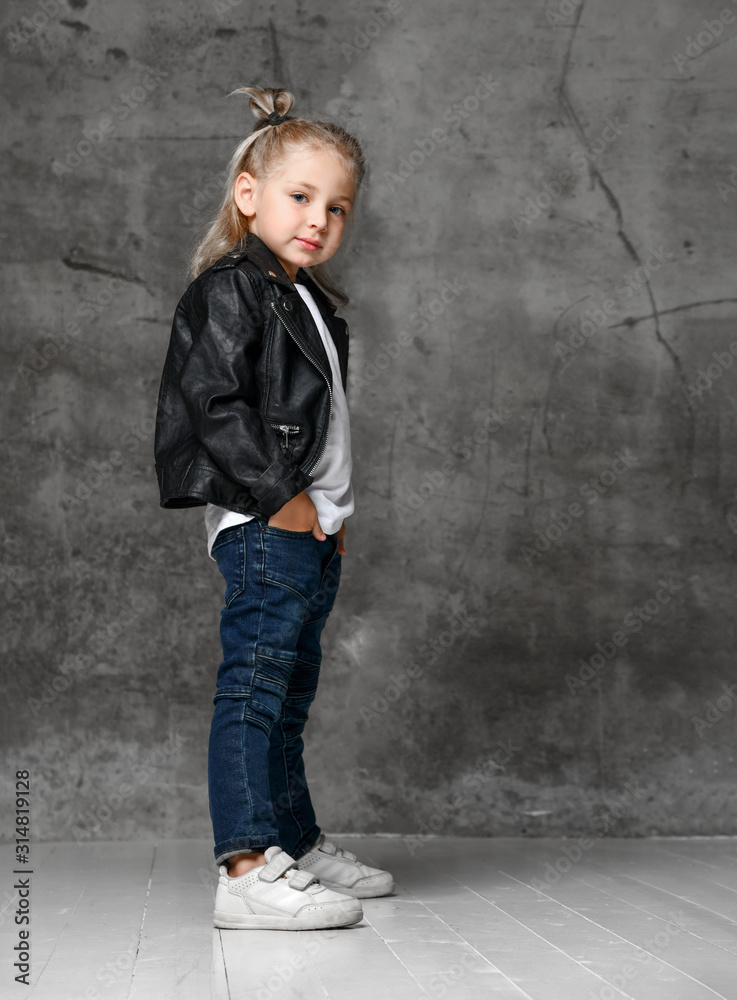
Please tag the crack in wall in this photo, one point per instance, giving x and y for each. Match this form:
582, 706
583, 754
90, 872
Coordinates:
596, 175
280, 70
79, 265
633, 321
546, 408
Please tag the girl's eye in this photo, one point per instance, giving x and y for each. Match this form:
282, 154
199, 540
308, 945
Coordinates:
301, 198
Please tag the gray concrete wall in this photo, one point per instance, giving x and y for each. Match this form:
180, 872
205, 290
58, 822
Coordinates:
537, 604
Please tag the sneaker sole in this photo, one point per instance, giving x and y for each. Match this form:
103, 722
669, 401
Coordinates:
316, 920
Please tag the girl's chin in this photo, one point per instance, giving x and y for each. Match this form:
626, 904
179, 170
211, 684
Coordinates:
307, 259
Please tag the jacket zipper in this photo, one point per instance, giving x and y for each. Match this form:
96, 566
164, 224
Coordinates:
286, 430
320, 369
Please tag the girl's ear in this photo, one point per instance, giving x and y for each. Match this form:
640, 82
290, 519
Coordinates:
243, 193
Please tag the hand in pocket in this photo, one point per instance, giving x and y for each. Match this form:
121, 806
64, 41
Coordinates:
298, 514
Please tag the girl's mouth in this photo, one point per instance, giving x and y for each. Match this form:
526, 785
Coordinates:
307, 244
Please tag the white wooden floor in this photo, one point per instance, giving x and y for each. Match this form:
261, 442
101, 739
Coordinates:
471, 918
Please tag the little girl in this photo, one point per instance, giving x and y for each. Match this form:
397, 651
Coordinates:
252, 424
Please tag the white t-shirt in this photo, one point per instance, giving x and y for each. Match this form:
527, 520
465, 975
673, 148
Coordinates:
331, 489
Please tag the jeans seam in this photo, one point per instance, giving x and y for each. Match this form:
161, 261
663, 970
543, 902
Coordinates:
263, 586
239, 539
285, 765
314, 621
244, 769
280, 583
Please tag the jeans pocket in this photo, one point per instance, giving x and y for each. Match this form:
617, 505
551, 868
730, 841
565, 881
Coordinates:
272, 529
229, 551
292, 559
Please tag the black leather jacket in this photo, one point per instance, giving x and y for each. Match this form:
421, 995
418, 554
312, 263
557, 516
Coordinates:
246, 391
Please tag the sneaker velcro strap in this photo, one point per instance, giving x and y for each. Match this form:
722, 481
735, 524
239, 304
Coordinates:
277, 867
332, 849
301, 878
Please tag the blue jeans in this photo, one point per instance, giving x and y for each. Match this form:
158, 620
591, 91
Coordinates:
279, 590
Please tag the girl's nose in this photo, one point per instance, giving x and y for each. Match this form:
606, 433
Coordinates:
319, 219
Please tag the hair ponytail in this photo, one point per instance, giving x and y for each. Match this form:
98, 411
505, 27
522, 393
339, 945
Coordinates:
262, 152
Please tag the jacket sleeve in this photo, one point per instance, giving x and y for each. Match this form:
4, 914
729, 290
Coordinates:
220, 392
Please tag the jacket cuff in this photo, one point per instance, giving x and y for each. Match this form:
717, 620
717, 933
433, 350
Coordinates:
270, 495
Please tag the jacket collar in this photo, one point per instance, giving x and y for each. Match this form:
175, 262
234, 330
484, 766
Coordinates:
256, 250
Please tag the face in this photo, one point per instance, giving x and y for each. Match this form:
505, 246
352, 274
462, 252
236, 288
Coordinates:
300, 211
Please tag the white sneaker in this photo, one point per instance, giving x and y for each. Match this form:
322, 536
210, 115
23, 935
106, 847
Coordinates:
278, 896
342, 871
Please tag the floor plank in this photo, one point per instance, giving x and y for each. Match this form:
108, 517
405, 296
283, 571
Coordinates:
180, 951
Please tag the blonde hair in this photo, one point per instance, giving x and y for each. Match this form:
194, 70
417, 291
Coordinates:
260, 154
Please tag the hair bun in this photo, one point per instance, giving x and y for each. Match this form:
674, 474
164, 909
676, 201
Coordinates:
264, 101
